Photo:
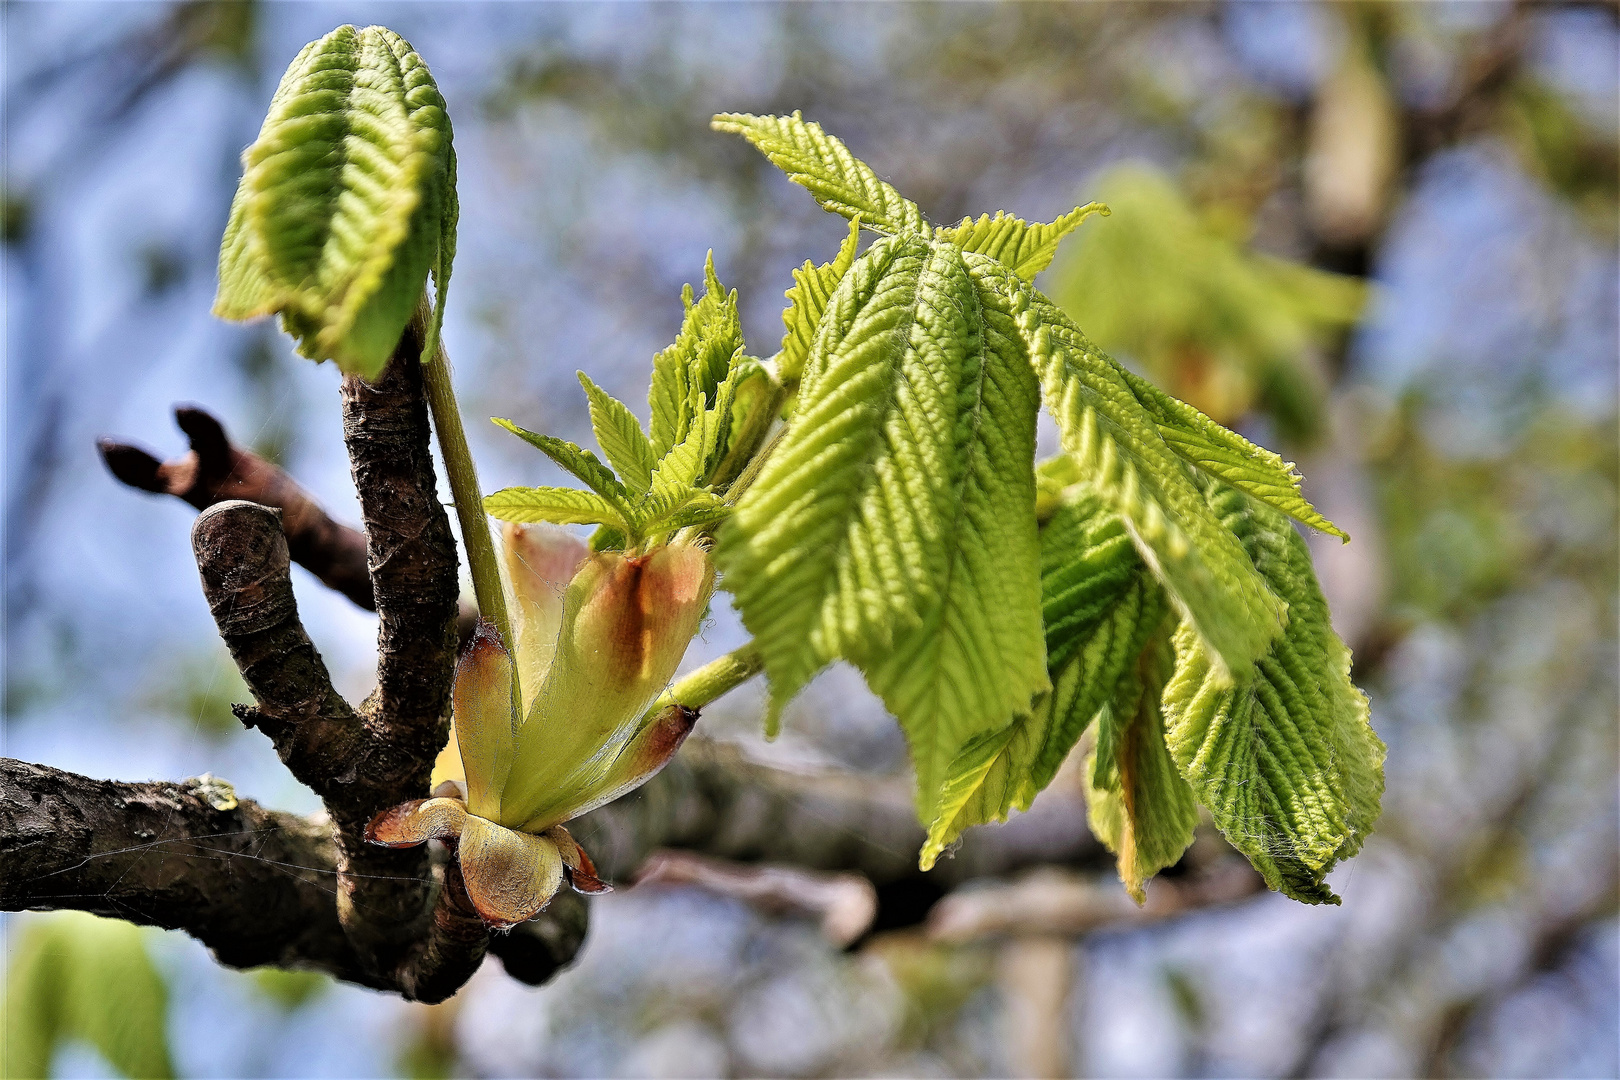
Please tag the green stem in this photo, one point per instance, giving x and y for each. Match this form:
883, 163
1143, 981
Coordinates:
469, 500
715, 678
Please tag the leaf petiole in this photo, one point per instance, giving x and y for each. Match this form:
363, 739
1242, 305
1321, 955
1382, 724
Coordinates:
458, 465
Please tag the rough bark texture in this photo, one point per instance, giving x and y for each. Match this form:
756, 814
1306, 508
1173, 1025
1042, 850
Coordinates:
260, 887
254, 885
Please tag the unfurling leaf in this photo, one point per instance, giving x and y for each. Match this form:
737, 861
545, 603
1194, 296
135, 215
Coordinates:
824, 166
1285, 759
583, 464
619, 435
558, 505
1023, 248
893, 526
347, 201
807, 301
687, 375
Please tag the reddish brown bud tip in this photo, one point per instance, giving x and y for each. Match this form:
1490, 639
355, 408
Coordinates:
417, 821
577, 865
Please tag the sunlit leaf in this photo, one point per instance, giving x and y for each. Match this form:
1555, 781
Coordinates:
619, 435
1023, 248
346, 203
1286, 759
558, 505
812, 287
893, 526
824, 166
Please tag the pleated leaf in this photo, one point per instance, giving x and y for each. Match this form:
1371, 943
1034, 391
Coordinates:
1099, 605
1023, 248
824, 166
1136, 801
558, 505
709, 342
1229, 456
1119, 449
619, 435
1286, 759
584, 465
346, 203
894, 526
812, 287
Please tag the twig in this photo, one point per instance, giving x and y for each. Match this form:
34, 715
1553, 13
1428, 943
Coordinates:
844, 904
216, 470
253, 885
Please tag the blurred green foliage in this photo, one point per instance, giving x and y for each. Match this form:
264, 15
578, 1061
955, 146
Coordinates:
290, 990
1465, 530
198, 691
1229, 330
77, 976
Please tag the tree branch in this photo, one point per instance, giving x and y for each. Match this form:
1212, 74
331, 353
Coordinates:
383, 895
413, 562
253, 885
216, 470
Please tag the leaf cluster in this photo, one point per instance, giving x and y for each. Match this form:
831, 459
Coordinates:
709, 402
347, 202
1148, 581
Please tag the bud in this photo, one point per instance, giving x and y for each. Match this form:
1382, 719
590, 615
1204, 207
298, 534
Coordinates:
539, 561
585, 737
626, 624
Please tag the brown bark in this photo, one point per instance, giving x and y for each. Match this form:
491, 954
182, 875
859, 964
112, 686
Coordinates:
711, 799
217, 470
254, 885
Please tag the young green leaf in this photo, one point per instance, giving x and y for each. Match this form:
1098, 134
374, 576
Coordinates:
1286, 759
1137, 803
1228, 455
812, 287
701, 508
558, 505
710, 340
619, 435
346, 201
583, 464
1099, 605
1119, 449
754, 408
894, 524
1023, 248
824, 166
